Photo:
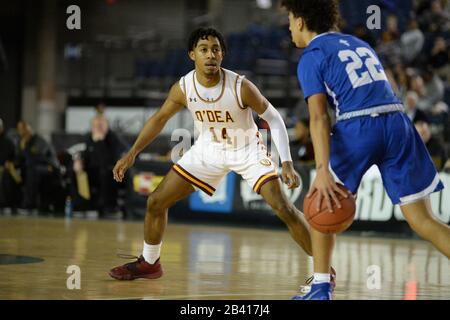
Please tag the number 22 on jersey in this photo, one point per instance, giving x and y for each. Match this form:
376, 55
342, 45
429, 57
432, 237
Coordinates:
371, 67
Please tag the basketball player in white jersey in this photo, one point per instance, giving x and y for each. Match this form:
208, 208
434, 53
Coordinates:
221, 103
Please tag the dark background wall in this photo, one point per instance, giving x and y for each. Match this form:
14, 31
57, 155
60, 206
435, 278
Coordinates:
11, 54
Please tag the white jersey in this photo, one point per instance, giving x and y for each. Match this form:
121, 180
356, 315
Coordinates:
218, 112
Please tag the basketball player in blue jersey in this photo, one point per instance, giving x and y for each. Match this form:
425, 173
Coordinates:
371, 129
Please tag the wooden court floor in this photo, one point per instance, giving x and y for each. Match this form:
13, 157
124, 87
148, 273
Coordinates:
206, 262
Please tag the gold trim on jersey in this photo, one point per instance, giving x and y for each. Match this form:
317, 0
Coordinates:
193, 180
236, 94
221, 94
263, 179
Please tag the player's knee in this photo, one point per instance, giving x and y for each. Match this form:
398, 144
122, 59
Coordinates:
284, 210
155, 203
422, 228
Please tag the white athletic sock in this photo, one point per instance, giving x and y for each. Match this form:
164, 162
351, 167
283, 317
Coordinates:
321, 277
151, 252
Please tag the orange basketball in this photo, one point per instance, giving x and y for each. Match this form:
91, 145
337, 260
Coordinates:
330, 222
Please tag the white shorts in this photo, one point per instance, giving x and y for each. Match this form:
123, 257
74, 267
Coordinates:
204, 165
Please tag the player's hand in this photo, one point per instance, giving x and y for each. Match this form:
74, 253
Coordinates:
122, 166
327, 188
289, 175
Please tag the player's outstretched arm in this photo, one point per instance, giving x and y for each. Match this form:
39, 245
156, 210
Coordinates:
173, 104
252, 97
320, 128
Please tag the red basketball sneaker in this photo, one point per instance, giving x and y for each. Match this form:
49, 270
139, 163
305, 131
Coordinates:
137, 269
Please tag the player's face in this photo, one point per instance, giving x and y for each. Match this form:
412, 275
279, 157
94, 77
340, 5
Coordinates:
207, 55
295, 27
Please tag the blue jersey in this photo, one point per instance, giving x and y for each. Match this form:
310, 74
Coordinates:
346, 69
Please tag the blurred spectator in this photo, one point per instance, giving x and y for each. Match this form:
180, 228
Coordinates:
398, 78
393, 81
412, 41
343, 26
434, 145
391, 33
432, 92
414, 114
436, 19
417, 84
103, 149
439, 54
9, 177
421, 6
100, 108
362, 33
389, 49
301, 146
440, 58
439, 117
42, 187
439, 108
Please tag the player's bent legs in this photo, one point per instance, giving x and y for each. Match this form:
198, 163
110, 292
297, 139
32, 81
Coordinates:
420, 218
288, 213
171, 189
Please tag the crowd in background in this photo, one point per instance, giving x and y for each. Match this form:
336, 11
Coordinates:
34, 178
418, 64
416, 59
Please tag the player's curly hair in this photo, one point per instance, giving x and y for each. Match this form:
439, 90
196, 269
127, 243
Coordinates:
203, 33
319, 15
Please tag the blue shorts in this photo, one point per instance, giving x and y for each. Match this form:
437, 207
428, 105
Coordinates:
391, 142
